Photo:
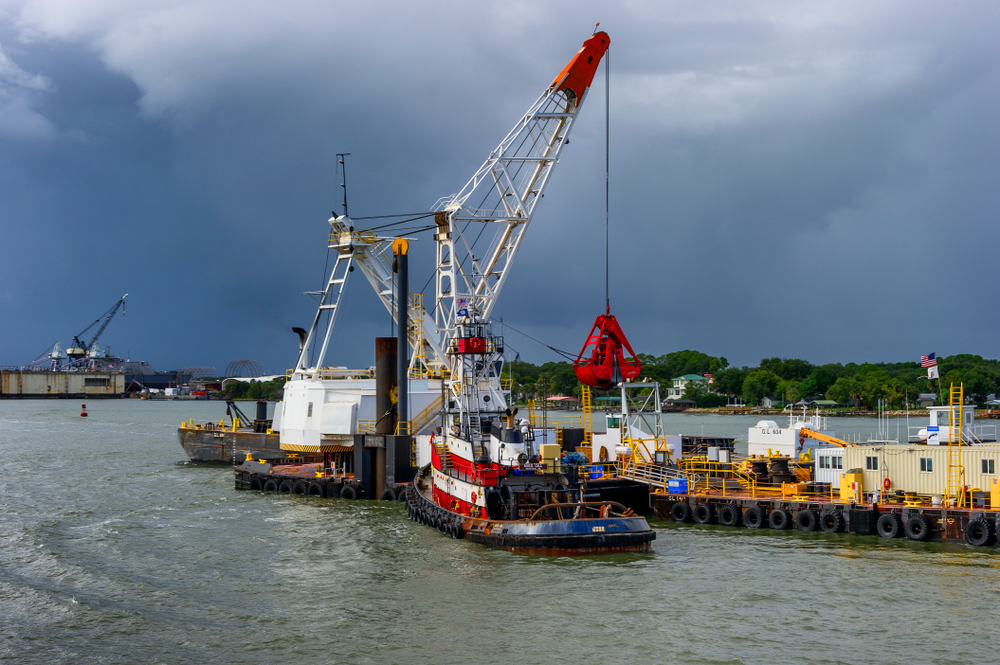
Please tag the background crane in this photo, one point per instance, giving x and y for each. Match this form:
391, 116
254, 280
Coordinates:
78, 349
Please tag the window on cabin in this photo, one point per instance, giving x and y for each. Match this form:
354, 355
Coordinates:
927, 464
838, 462
871, 463
310, 411
988, 466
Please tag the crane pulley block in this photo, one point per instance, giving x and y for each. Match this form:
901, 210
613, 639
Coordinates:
602, 362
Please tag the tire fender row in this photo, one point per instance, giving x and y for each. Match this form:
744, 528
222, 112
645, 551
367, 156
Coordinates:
421, 510
981, 530
759, 516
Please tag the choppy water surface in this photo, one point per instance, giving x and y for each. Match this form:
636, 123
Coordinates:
113, 549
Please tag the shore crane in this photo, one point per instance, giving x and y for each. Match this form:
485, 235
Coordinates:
78, 349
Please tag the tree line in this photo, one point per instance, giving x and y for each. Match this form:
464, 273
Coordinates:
789, 379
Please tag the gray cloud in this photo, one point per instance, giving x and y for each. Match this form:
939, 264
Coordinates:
800, 180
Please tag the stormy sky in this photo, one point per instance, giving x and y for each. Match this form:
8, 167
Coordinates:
812, 180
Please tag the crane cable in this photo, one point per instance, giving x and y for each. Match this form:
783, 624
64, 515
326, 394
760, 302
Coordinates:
607, 179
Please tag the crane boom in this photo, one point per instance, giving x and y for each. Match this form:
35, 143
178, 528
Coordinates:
813, 434
503, 193
506, 189
110, 315
77, 348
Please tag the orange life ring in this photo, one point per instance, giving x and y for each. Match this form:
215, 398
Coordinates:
473, 497
887, 483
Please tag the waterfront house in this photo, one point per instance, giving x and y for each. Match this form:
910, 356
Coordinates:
679, 384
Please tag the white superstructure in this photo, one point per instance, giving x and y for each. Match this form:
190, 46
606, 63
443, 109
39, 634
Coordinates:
767, 438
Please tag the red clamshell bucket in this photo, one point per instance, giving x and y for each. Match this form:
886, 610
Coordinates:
602, 362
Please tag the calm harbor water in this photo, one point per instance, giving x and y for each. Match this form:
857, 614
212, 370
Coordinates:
113, 549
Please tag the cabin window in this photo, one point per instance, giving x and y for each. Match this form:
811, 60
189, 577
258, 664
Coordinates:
309, 412
927, 464
824, 462
837, 462
871, 463
614, 423
102, 383
989, 466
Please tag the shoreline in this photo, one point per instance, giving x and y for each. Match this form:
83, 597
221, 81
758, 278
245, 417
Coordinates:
722, 411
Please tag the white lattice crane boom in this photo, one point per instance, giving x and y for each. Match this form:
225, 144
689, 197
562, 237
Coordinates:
503, 193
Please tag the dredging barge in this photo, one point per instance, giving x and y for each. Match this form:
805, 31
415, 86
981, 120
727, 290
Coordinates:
483, 478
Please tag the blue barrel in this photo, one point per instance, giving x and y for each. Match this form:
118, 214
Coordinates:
594, 472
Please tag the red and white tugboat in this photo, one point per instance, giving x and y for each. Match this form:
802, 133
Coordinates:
496, 481
492, 479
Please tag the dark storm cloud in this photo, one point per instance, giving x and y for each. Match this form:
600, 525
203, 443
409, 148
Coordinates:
787, 179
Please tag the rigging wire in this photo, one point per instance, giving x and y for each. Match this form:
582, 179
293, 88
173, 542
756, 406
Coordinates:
402, 214
607, 178
564, 354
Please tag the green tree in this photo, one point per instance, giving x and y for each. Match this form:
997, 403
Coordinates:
696, 391
789, 391
787, 368
730, 380
759, 384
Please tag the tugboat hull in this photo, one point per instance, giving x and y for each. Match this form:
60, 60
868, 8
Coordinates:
548, 537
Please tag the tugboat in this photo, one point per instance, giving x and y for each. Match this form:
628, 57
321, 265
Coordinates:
492, 481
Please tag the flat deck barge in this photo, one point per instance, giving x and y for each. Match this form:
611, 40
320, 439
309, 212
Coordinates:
915, 520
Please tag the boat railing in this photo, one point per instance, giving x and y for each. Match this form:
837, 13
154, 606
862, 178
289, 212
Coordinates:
974, 434
333, 373
582, 510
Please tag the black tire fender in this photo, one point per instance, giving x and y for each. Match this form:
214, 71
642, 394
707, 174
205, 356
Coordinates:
316, 489
270, 485
779, 519
703, 513
806, 520
918, 527
387, 495
680, 511
401, 493
889, 525
831, 521
754, 518
300, 487
348, 492
730, 515
979, 532
286, 486
256, 484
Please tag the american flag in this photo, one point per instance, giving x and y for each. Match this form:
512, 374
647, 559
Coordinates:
928, 361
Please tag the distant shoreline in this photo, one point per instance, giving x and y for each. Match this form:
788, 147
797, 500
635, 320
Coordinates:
722, 411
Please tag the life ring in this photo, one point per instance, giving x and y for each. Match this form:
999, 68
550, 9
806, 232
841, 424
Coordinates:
802, 441
473, 497
886, 484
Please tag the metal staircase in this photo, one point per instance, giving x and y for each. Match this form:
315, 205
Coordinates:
424, 418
